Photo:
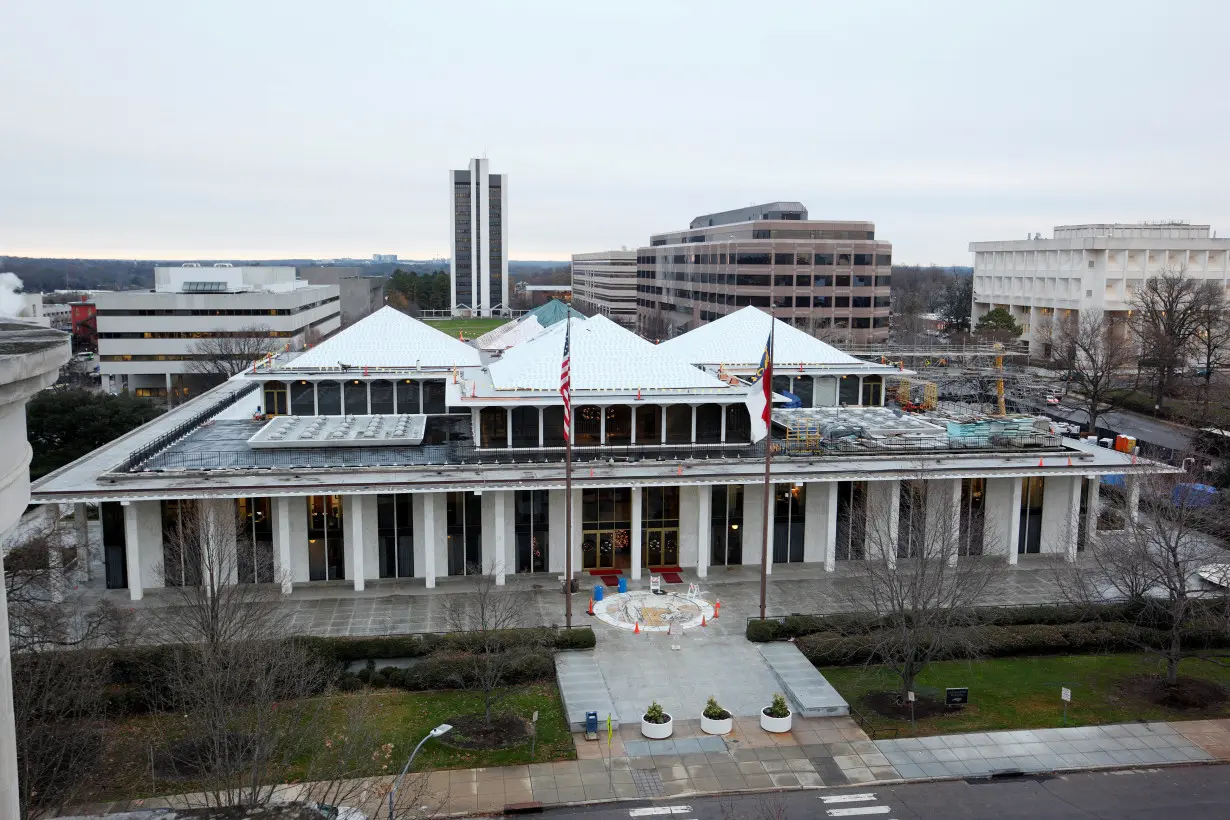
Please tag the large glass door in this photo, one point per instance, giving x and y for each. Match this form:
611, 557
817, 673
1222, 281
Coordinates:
660, 535
727, 519
661, 548
326, 544
465, 533
605, 522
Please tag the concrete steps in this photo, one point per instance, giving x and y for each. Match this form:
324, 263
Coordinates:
583, 689
811, 694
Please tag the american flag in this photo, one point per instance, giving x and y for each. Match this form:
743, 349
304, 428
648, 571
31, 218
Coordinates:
565, 382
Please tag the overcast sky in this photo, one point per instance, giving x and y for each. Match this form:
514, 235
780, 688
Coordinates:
308, 129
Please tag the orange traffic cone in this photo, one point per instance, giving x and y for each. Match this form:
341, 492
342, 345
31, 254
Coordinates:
717, 607
702, 620
591, 606
637, 629
680, 470
1069, 461
1040, 464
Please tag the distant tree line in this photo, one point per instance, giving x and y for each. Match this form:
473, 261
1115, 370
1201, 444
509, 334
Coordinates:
918, 290
409, 291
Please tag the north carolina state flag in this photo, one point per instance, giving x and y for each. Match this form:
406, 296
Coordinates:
759, 398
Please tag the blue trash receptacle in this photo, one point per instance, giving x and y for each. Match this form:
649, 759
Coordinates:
623, 584
597, 592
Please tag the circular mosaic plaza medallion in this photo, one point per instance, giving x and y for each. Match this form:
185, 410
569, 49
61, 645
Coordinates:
655, 613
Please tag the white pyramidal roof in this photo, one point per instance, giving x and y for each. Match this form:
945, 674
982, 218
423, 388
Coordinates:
509, 334
604, 356
387, 339
738, 340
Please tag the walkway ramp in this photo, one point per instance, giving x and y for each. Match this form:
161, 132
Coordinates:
803, 684
583, 689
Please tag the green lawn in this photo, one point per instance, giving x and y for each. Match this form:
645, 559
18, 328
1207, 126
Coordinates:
1023, 693
403, 719
472, 328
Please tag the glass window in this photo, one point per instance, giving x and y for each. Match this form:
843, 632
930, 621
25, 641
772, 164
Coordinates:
783, 301
753, 258
783, 281
752, 280
884, 281
326, 539
648, 424
727, 525
884, 260
851, 520
355, 394
329, 399
802, 258
709, 423
181, 543
863, 281
822, 301
872, 390
111, 518
738, 423
395, 534
465, 533
824, 281
531, 530
860, 322
679, 424
587, 425
408, 397
382, 397
433, 397
862, 259
254, 540
861, 302
802, 281
553, 426
783, 259
525, 426
843, 258
803, 389
788, 513
847, 391
303, 398
882, 301
843, 281
824, 259
493, 427
841, 301
619, 425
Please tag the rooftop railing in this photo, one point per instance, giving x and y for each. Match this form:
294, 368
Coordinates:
134, 460
461, 453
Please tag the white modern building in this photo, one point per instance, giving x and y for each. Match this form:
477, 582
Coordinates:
1083, 267
393, 451
478, 223
604, 284
148, 340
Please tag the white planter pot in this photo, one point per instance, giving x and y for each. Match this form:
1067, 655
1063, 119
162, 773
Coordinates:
716, 727
772, 724
657, 731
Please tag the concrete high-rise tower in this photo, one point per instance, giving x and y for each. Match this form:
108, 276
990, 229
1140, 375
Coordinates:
478, 273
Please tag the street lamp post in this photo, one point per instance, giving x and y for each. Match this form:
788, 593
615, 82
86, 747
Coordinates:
436, 732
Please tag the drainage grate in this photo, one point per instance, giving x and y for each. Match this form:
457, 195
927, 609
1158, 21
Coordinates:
648, 783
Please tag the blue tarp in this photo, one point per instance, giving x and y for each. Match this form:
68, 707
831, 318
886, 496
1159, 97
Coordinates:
1193, 495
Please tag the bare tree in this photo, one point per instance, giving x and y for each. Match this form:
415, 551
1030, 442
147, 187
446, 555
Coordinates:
253, 707
58, 678
1096, 348
1211, 344
1154, 563
229, 353
485, 615
1165, 319
917, 581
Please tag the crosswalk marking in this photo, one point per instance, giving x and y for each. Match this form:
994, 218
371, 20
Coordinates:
658, 810
856, 810
848, 798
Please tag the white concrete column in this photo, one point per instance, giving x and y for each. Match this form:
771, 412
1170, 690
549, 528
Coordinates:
576, 532
81, 525
723, 436
132, 549
768, 533
955, 523
1091, 513
662, 422
601, 424
508, 424
830, 525
1074, 517
815, 521
495, 539
1133, 498
704, 529
1002, 515
1013, 522
429, 507
540, 426
943, 501
282, 543
634, 410
352, 512
218, 541
860, 391
635, 546
557, 538
693, 409
883, 511
753, 523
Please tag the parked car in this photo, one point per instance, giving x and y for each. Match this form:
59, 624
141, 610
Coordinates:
1052, 399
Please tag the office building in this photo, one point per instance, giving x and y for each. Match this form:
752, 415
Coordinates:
478, 222
150, 341
393, 451
829, 278
384, 258
361, 295
1084, 267
604, 284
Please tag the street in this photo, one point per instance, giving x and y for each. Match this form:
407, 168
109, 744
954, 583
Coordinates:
1192, 793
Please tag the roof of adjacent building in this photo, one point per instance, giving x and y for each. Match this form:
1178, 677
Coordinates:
603, 356
738, 341
387, 339
751, 213
527, 326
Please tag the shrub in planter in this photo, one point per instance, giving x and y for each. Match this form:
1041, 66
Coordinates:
715, 720
578, 638
776, 716
656, 724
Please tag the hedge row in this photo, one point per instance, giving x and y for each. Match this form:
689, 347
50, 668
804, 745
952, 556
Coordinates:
135, 673
450, 671
994, 641
799, 626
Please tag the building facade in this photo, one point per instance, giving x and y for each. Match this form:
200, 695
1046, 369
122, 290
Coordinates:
1087, 267
478, 222
830, 278
359, 295
390, 452
148, 341
604, 284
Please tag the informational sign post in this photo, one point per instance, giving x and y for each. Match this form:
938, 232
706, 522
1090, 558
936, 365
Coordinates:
910, 697
1065, 694
956, 696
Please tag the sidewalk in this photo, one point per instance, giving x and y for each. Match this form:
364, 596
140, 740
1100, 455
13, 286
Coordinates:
818, 753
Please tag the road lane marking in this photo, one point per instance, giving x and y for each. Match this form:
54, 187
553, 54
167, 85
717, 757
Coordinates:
848, 798
659, 810
856, 810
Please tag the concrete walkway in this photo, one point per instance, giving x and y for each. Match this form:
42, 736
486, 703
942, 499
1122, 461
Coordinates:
817, 753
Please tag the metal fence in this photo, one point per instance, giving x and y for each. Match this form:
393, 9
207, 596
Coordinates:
146, 451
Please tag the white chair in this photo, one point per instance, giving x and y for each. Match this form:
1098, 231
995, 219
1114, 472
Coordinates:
693, 591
